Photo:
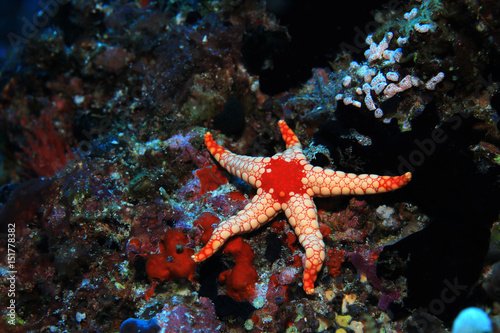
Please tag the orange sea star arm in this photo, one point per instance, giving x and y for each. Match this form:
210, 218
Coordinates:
302, 216
247, 168
289, 137
327, 182
262, 208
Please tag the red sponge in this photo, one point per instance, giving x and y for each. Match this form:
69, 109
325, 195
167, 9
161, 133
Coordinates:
174, 260
240, 281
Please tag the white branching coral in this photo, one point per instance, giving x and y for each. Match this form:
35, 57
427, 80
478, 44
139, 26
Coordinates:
377, 79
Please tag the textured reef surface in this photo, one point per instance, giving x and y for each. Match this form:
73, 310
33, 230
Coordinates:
107, 188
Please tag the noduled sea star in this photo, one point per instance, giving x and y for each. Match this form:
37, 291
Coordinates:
288, 182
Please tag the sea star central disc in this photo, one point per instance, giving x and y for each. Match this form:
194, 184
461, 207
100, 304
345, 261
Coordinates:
277, 182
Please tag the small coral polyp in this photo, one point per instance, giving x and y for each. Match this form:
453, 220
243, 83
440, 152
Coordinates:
272, 177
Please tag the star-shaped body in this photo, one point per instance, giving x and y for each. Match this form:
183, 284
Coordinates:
288, 182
